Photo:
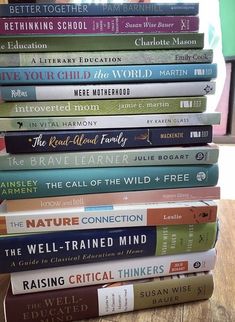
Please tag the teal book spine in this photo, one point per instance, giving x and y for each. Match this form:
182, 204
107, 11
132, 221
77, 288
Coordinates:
199, 154
107, 74
46, 183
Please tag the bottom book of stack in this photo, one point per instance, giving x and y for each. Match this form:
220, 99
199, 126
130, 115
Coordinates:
73, 304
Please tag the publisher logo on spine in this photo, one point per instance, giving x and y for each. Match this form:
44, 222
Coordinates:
200, 156
201, 176
197, 265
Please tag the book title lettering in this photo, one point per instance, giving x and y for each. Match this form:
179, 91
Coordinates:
81, 75
133, 180
79, 140
76, 245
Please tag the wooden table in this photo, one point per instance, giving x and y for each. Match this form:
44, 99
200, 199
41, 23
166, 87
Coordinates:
219, 308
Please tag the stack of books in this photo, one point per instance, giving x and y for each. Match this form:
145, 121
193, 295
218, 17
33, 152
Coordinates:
109, 174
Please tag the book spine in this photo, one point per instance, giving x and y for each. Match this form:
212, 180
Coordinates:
207, 154
98, 25
107, 58
99, 300
122, 198
56, 249
108, 122
112, 216
50, 9
98, 91
107, 74
41, 43
194, 104
46, 183
117, 271
89, 140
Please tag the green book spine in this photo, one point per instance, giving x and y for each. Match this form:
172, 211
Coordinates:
105, 107
173, 290
107, 58
100, 42
207, 154
45, 183
172, 239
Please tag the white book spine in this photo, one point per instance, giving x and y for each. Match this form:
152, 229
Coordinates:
110, 216
119, 270
124, 90
109, 122
129, 90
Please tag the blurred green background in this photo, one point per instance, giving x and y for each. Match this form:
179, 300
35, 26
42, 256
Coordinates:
227, 15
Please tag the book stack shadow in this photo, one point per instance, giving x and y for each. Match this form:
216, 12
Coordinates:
108, 172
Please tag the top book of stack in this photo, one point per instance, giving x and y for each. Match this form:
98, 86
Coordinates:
111, 8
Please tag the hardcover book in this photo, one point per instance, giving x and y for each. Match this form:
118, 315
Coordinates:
137, 57
49, 279
100, 91
98, 25
54, 182
100, 300
99, 42
122, 198
205, 154
111, 8
26, 252
112, 216
103, 139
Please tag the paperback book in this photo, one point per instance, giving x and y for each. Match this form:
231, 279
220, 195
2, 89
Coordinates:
203, 154
49, 279
25, 252
98, 25
109, 198
100, 91
137, 57
103, 123
46, 183
161, 105
103, 139
106, 8
107, 74
99, 42
112, 216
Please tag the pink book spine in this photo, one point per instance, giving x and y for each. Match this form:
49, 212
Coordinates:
97, 25
164, 195
223, 105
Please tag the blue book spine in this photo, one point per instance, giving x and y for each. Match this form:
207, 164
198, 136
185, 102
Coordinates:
45, 183
48, 9
88, 140
107, 74
43, 250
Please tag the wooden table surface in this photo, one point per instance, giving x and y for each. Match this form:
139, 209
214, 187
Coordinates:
219, 308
